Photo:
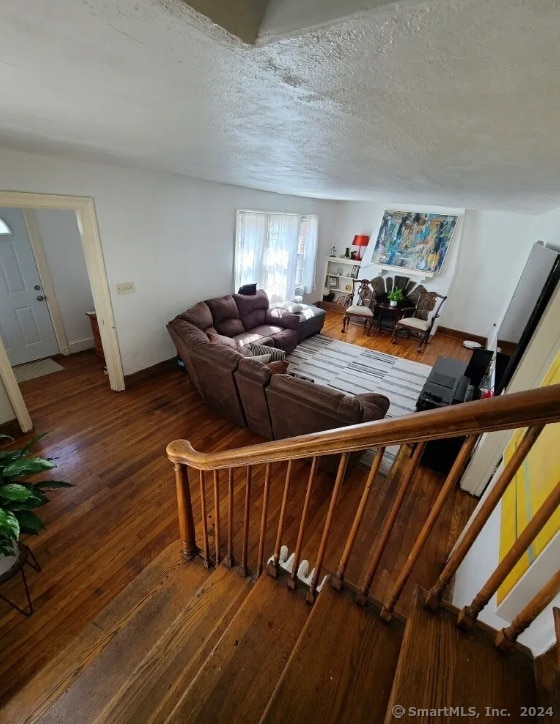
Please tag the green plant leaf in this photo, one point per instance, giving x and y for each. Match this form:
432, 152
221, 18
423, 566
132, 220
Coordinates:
29, 522
26, 466
9, 524
34, 440
52, 484
6, 546
13, 491
8, 455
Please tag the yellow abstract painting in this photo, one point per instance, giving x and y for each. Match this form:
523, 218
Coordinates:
532, 484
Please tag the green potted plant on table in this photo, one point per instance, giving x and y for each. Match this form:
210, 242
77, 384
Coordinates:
394, 296
19, 497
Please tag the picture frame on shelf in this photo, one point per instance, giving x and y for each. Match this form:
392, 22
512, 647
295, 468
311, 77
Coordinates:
355, 271
333, 282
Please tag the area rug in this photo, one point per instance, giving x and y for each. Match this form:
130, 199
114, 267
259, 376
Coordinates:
40, 368
353, 369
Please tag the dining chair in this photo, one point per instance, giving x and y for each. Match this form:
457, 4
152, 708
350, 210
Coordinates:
363, 309
422, 321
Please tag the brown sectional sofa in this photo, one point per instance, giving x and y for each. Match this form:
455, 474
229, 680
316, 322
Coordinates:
210, 339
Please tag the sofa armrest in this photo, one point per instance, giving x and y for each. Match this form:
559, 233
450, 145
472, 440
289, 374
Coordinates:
282, 318
375, 406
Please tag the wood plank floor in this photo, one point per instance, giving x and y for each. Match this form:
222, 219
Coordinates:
121, 511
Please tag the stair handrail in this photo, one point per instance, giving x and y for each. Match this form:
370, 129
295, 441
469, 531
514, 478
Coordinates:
533, 407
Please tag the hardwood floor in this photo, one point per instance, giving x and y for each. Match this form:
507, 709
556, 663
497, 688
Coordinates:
121, 511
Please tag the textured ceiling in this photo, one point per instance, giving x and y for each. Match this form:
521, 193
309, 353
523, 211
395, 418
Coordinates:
452, 102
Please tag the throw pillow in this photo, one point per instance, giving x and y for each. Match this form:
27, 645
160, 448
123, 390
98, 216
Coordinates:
292, 307
275, 354
279, 367
221, 339
248, 289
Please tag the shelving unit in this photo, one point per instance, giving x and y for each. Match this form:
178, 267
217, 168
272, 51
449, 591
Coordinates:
339, 272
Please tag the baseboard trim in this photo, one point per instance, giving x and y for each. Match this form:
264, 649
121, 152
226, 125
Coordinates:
461, 335
10, 428
147, 373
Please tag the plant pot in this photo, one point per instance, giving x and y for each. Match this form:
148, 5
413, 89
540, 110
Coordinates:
392, 303
7, 562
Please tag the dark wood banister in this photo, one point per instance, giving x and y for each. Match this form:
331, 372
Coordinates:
520, 409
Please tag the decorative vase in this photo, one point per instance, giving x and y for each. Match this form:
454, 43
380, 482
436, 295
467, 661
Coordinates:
347, 253
392, 303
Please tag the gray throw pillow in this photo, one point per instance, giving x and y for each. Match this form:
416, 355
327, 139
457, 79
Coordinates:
260, 349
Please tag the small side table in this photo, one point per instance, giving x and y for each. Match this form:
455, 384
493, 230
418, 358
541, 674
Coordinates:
384, 309
24, 556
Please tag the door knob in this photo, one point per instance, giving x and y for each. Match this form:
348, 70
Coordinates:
40, 298
36, 287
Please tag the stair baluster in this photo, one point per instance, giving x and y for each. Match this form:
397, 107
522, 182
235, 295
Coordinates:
446, 490
556, 614
506, 638
262, 533
273, 566
486, 509
292, 583
468, 614
342, 465
186, 520
408, 474
230, 560
203, 513
336, 581
217, 517
244, 570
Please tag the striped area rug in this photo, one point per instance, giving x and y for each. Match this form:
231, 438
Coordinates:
353, 369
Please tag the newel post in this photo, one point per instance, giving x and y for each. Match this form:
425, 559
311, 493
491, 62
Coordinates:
186, 519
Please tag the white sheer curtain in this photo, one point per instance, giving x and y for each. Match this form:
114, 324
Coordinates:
277, 251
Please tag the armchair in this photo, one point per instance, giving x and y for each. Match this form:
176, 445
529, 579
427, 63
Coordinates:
422, 321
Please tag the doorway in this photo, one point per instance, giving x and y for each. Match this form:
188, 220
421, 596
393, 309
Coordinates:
26, 327
84, 209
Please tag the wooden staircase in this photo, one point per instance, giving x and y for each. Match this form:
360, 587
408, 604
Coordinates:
249, 652
209, 641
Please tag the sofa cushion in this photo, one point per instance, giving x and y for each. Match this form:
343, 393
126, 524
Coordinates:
252, 308
199, 315
246, 338
225, 315
215, 338
319, 400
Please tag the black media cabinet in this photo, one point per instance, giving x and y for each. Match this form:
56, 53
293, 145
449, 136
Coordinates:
447, 384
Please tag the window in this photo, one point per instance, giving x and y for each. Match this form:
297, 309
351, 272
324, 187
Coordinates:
278, 251
4, 228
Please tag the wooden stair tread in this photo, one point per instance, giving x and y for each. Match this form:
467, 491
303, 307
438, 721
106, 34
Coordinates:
442, 666
144, 607
341, 669
239, 676
130, 681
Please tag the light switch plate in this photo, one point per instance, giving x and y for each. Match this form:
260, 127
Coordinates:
125, 288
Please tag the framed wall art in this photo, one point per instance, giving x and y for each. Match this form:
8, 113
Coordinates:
414, 241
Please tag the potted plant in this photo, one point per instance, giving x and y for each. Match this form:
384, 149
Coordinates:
19, 497
394, 296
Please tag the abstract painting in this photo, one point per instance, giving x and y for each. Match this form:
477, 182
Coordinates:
532, 484
413, 240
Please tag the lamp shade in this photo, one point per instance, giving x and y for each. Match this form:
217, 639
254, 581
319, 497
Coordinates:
360, 240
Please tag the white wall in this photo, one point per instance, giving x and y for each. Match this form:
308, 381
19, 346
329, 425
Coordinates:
482, 267
65, 258
170, 235
483, 557
7, 413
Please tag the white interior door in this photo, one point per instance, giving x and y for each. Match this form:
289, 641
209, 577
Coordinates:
25, 324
